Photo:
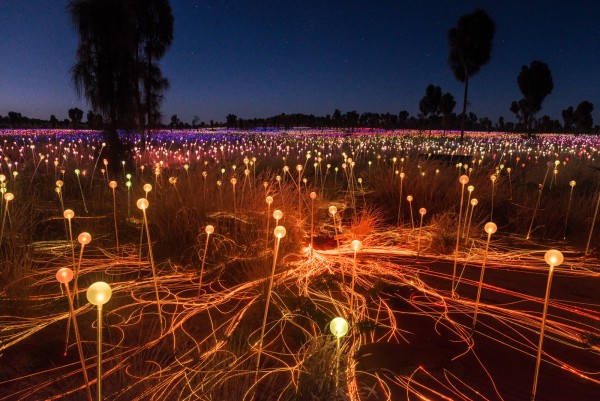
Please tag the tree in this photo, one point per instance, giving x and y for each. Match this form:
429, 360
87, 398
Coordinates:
568, 116
175, 121
535, 83
15, 118
53, 121
447, 105
76, 115
231, 120
430, 103
583, 117
470, 48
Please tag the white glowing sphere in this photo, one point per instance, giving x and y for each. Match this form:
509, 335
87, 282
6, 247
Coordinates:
339, 327
209, 229
356, 245
142, 204
269, 200
98, 293
279, 232
554, 257
68, 214
112, 184
490, 228
422, 211
64, 275
84, 238
277, 214
8, 196
463, 179
332, 210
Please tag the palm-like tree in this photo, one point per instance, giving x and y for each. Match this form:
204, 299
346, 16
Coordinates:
535, 82
470, 48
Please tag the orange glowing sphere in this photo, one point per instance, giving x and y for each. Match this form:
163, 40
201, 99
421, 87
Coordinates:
490, 228
64, 275
279, 232
209, 229
402, 175
269, 200
572, 183
233, 181
493, 177
553, 257
8, 196
68, 214
474, 202
356, 245
142, 204
463, 179
313, 195
277, 214
112, 184
332, 210
422, 211
59, 183
147, 187
84, 238
299, 167
409, 198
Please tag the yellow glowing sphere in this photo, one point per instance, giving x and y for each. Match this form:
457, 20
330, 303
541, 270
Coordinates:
332, 210
269, 200
2, 177
84, 238
474, 202
147, 188
463, 179
313, 195
112, 184
277, 214
209, 229
402, 175
356, 245
233, 181
64, 275
554, 257
490, 228
246, 172
470, 188
142, 204
422, 211
279, 232
493, 178
98, 293
59, 183
68, 214
172, 180
572, 183
339, 327
8, 196
299, 167
409, 198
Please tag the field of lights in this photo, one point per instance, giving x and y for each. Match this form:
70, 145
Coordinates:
299, 265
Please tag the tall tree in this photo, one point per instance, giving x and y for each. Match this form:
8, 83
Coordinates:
447, 105
470, 48
76, 115
583, 117
535, 83
429, 105
568, 116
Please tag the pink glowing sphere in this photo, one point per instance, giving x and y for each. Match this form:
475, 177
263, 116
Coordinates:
64, 275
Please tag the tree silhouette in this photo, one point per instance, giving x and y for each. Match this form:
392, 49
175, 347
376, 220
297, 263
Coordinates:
583, 117
76, 115
535, 83
429, 105
470, 48
568, 116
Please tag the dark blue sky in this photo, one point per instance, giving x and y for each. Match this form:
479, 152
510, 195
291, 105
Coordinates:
261, 58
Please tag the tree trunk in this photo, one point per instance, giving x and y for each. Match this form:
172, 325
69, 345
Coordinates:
464, 112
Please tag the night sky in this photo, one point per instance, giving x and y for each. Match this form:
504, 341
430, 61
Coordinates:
261, 58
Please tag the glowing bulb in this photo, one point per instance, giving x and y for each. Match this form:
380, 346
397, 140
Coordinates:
233, 181
422, 211
99, 293
279, 232
339, 327
59, 183
64, 275
553, 257
332, 210
409, 198
8, 196
277, 214
147, 187
493, 177
470, 188
490, 228
142, 204
356, 245
474, 202
269, 200
209, 229
572, 183
68, 214
84, 238
463, 179
112, 184
313, 195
